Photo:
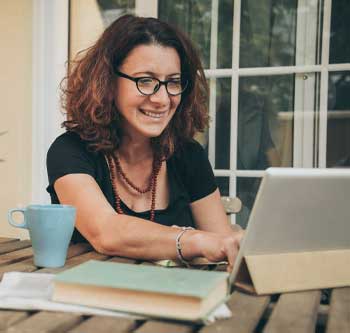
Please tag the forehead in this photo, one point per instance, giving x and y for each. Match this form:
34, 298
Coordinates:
152, 58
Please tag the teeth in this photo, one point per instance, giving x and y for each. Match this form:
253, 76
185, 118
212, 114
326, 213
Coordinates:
153, 114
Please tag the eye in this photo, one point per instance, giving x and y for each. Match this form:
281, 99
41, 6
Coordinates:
146, 81
174, 82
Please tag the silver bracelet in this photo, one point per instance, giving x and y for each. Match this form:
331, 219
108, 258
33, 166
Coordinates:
178, 246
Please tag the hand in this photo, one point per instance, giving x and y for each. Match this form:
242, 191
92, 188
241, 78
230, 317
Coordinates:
218, 247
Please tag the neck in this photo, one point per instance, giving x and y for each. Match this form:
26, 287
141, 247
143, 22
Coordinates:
133, 151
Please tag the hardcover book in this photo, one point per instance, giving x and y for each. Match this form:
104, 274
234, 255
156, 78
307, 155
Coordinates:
177, 293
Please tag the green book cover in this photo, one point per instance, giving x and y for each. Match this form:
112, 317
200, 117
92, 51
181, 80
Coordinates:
155, 279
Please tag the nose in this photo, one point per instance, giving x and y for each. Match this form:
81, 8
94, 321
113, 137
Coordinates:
161, 96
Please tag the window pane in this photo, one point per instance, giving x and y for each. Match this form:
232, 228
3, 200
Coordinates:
112, 9
247, 189
338, 127
224, 185
265, 122
225, 24
195, 17
88, 20
339, 51
223, 123
268, 33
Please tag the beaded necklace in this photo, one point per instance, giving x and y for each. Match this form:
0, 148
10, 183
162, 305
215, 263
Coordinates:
116, 169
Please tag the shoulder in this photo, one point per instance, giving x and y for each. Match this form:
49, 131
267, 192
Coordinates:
70, 143
190, 151
70, 148
67, 140
68, 154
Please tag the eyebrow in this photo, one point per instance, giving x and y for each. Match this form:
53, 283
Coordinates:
155, 74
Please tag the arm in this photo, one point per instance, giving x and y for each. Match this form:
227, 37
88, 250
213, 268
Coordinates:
209, 214
115, 234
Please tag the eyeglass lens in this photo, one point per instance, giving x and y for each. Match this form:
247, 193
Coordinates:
149, 86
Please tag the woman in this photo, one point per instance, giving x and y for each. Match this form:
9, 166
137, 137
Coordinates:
128, 162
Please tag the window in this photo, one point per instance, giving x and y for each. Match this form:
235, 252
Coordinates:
279, 85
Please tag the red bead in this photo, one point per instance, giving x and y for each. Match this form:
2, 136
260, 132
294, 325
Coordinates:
115, 168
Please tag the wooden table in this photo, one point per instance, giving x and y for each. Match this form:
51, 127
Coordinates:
290, 312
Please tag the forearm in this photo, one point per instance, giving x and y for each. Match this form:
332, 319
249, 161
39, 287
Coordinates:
133, 237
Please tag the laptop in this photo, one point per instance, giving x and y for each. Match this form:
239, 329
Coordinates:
300, 220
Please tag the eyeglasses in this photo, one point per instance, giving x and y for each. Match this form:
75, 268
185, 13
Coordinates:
148, 85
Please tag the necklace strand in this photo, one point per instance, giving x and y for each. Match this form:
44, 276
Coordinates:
115, 168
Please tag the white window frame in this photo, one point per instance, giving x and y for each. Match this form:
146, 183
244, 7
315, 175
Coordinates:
50, 54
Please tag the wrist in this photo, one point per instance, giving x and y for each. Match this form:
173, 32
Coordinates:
190, 244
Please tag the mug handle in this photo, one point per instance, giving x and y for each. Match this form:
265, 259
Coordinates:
12, 222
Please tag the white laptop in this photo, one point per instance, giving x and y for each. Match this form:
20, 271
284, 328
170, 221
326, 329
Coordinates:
300, 220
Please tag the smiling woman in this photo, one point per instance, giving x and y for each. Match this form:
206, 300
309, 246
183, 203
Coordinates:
142, 186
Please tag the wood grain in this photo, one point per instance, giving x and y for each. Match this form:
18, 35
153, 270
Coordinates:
45, 321
15, 256
13, 246
8, 240
339, 313
28, 265
10, 317
247, 311
163, 327
102, 324
75, 261
295, 312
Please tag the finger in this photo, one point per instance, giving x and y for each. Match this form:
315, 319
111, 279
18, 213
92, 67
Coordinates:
231, 255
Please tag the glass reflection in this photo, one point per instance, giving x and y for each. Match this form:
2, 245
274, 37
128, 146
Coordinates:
338, 126
112, 9
265, 122
247, 189
223, 123
223, 184
268, 33
339, 51
195, 17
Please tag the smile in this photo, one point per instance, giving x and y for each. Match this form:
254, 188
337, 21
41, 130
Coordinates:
155, 115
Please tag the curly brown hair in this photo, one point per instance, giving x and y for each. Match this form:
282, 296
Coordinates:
88, 99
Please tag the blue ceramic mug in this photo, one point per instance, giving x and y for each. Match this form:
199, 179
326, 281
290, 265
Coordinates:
50, 230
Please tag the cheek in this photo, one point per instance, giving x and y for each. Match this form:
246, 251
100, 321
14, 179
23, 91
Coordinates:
175, 102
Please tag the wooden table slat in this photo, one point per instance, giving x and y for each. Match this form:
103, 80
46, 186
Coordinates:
75, 261
28, 265
10, 317
164, 327
339, 313
8, 240
104, 325
15, 256
45, 321
13, 246
247, 311
295, 312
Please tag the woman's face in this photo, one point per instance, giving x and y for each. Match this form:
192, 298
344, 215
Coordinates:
147, 116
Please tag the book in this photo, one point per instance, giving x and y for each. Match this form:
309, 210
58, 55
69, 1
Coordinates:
176, 293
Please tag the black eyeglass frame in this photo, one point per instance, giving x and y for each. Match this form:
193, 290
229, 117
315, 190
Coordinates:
184, 84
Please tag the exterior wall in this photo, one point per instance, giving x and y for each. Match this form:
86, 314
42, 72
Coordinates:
16, 109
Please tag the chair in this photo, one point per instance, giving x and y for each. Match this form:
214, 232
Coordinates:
232, 205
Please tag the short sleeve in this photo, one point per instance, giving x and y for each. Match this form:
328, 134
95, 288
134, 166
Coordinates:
196, 171
68, 155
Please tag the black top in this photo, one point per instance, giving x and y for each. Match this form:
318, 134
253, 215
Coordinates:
189, 173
